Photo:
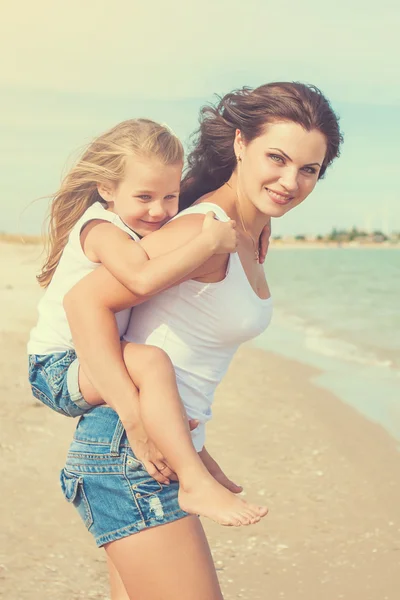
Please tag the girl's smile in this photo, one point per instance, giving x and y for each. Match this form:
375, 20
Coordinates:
147, 196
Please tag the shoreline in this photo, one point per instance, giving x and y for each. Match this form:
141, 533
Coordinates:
369, 386
329, 476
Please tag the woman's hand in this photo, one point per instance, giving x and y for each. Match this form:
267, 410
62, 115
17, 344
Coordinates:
148, 454
264, 242
151, 458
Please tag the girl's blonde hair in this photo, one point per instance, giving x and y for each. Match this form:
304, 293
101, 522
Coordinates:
103, 162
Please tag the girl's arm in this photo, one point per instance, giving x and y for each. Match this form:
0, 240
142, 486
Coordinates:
129, 263
91, 306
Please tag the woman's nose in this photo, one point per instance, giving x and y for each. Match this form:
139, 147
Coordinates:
289, 179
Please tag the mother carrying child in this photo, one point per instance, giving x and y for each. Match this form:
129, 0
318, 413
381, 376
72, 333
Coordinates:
259, 154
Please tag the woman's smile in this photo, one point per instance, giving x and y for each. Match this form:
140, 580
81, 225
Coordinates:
279, 197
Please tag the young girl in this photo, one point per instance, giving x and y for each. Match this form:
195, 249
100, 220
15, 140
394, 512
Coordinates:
125, 186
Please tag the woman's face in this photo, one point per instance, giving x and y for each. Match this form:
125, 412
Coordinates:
280, 168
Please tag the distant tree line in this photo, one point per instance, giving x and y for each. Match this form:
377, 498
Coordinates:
345, 235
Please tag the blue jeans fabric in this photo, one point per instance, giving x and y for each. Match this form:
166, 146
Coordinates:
54, 381
102, 478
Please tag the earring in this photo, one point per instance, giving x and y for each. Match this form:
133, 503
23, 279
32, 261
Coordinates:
238, 159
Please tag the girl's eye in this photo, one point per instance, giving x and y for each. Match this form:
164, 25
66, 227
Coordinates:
276, 158
170, 197
144, 197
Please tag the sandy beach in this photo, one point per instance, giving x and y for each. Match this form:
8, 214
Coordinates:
330, 477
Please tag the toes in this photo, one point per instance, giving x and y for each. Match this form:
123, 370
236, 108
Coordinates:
254, 510
251, 515
232, 520
247, 517
259, 511
240, 519
236, 522
255, 520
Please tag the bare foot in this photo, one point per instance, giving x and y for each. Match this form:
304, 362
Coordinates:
210, 499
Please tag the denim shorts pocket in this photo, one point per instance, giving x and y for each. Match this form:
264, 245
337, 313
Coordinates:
39, 383
142, 484
58, 365
48, 376
73, 490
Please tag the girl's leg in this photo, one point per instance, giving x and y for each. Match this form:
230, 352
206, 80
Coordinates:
166, 562
166, 424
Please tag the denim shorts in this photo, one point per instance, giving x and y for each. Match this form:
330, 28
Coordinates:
109, 487
54, 381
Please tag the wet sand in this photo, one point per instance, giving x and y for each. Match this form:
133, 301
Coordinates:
331, 480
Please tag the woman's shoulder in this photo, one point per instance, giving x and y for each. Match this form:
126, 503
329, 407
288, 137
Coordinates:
203, 206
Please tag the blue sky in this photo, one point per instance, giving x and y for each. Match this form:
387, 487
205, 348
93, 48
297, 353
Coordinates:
74, 69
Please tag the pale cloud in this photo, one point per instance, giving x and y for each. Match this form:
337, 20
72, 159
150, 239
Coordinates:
175, 49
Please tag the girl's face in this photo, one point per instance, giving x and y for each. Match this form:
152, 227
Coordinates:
148, 195
280, 168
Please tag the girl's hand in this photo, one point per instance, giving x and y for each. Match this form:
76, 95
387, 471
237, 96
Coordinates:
222, 234
264, 242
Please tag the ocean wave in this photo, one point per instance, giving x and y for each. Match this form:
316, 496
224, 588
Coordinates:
327, 344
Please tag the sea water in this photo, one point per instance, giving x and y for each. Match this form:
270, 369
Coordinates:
338, 309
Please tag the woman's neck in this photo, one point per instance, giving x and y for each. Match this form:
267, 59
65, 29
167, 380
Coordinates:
238, 207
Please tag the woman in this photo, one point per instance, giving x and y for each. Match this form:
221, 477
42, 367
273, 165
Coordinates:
259, 154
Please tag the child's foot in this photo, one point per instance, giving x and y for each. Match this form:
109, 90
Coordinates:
210, 499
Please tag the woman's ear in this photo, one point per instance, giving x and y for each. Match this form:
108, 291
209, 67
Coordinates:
238, 144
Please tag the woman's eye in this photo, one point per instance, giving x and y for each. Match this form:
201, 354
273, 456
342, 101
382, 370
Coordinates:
310, 170
170, 197
276, 158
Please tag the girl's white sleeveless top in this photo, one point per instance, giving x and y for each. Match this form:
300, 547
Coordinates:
200, 326
52, 333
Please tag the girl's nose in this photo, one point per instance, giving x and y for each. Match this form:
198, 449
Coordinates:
157, 211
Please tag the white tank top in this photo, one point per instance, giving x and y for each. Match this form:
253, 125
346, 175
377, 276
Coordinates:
200, 326
52, 332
